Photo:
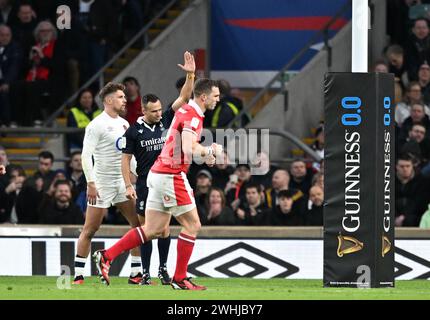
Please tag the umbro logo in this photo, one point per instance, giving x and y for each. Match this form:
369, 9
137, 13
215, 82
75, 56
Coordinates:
243, 260
140, 131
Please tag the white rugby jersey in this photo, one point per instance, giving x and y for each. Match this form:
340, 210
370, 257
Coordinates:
103, 140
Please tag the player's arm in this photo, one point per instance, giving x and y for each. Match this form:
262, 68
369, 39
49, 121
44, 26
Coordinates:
91, 139
189, 67
125, 170
2, 169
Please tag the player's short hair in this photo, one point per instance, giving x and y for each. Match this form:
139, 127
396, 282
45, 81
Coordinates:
147, 98
109, 88
46, 155
204, 86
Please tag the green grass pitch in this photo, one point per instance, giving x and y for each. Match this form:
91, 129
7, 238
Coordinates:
41, 288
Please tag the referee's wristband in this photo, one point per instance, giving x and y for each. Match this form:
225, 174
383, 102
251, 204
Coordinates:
129, 186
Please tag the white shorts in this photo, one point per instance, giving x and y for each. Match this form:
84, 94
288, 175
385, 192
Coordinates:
110, 192
169, 193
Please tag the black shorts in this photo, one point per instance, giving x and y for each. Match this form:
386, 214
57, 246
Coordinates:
142, 195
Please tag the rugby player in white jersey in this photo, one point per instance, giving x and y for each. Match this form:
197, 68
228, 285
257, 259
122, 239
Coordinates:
103, 142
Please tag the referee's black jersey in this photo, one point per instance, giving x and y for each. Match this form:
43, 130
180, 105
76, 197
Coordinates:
145, 141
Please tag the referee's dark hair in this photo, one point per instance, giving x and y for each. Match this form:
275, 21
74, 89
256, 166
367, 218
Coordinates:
204, 86
109, 88
147, 98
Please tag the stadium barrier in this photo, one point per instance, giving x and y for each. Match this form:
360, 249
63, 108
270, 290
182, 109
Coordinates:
258, 252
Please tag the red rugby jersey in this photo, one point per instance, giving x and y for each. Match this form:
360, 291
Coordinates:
171, 160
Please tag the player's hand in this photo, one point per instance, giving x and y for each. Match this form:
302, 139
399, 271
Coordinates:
189, 65
130, 193
210, 160
2, 169
92, 193
218, 149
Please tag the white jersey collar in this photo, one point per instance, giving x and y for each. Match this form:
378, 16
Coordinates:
196, 107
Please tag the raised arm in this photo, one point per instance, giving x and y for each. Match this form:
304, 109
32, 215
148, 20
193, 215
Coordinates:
189, 67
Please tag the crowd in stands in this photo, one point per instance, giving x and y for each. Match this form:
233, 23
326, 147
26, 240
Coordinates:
225, 194
408, 57
41, 65
228, 194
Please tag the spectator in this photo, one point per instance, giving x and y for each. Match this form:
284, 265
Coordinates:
411, 193
9, 195
235, 189
301, 178
418, 47
10, 65
23, 27
8, 11
314, 216
218, 213
76, 175
4, 178
134, 100
413, 95
380, 66
286, 213
43, 177
253, 212
43, 85
80, 116
318, 180
60, 209
280, 181
221, 172
226, 110
417, 116
203, 185
416, 145
396, 58
23, 198
263, 170
424, 81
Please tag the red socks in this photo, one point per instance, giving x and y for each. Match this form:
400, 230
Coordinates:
184, 251
130, 240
